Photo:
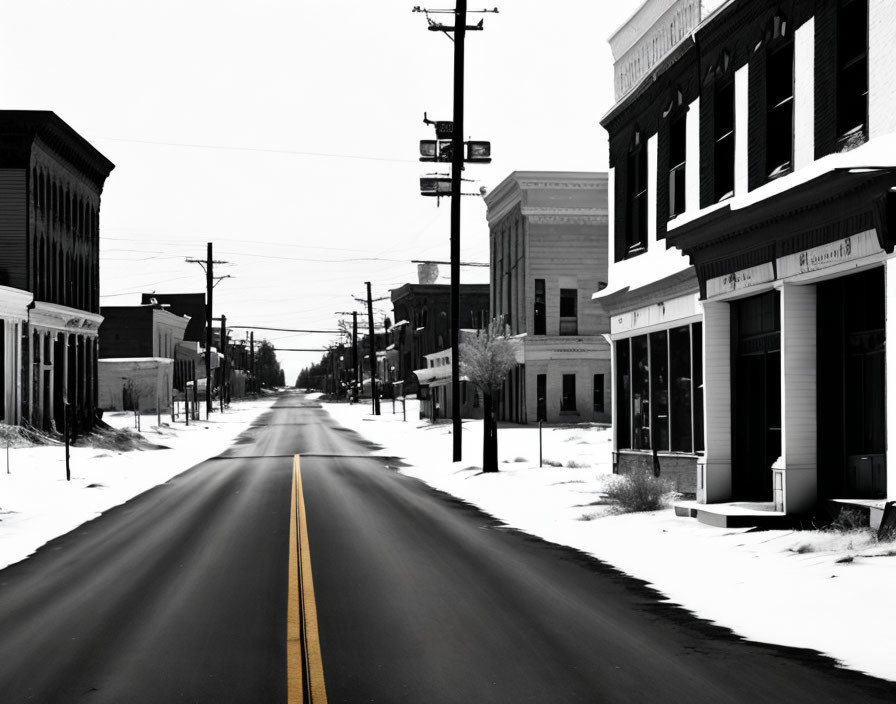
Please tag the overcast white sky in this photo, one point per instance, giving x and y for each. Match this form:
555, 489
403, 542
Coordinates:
286, 134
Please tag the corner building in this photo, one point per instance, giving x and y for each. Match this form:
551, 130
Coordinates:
756, 158
51, 180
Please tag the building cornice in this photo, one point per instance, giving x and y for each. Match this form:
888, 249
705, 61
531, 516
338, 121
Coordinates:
64, 319
14, 303
513, 191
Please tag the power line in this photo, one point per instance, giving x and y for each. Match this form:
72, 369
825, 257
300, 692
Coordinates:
224, 147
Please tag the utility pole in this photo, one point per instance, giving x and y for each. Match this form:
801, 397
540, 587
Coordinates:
457, 165
223, 359
376, 400
458, 156
252, 361
357, 378
208, 265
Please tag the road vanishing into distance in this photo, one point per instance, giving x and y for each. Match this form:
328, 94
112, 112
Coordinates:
187, 594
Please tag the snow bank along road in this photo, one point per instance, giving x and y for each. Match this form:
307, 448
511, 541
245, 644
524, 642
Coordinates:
183, 594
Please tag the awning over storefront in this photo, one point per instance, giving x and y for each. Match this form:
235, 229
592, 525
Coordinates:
436, 376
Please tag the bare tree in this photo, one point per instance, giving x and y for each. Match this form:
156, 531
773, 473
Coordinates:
486, 360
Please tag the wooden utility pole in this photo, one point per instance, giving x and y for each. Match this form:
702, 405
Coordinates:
376, 400
457, 166
357, 376
252, 367
223, 363
209, 287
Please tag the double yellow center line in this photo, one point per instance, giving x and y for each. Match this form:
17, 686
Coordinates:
304, 666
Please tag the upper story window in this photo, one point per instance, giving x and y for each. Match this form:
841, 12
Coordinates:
852, 72
723, 140
779, 107
540, 313
677, 159
636, 193
569, 322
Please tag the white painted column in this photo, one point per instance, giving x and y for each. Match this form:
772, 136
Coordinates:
51, 411
804, 94
799, 404
714, 468
692, 164
29, 375
41, 346
741, 127
66, 337
17, 362
890, 365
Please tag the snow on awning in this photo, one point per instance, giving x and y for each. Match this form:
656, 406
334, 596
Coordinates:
435, 376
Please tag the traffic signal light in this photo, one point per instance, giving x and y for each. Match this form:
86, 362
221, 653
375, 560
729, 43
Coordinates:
435, 150
435, 185
479, 152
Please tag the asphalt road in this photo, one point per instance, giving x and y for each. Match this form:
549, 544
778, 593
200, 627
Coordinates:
180, 596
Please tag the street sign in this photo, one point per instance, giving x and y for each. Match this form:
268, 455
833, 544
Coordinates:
444, 129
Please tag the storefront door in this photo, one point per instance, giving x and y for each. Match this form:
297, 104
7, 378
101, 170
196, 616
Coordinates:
756, 330
851, 386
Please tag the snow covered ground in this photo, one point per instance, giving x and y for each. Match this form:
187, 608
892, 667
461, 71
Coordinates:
785, 587
38, 504
826, 591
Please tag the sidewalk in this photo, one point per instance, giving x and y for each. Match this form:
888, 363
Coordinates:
825, 591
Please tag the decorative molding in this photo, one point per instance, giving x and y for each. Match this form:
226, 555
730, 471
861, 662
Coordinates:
64, 319
567, 219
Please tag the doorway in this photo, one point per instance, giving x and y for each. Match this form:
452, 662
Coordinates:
851, 386
756, 394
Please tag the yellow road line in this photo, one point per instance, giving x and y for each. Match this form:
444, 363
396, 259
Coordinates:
305, 670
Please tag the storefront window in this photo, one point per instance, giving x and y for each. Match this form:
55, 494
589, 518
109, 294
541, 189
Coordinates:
623, 395
659, 395
659, 387
680, 388
640, 394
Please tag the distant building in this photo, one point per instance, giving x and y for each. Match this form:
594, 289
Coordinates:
138, 346
422, 327
51, 180
191, 305
548, 239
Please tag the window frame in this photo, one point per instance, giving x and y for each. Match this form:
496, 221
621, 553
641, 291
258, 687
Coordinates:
678, 148
636, 199
724, 137
539, 308
779, 95
568, 400
569, 324
847, 70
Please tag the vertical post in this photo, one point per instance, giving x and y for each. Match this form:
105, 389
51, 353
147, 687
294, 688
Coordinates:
195, 394
355, 374
539, 444
252, 361
375, 399
457, 165
223, 364
65, 410
209, 287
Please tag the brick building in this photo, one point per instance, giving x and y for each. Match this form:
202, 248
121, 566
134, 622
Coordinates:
421, 323
753, 168
51, 180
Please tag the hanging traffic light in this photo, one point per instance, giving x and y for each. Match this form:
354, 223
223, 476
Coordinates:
435, 185
436, 150
478, 152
